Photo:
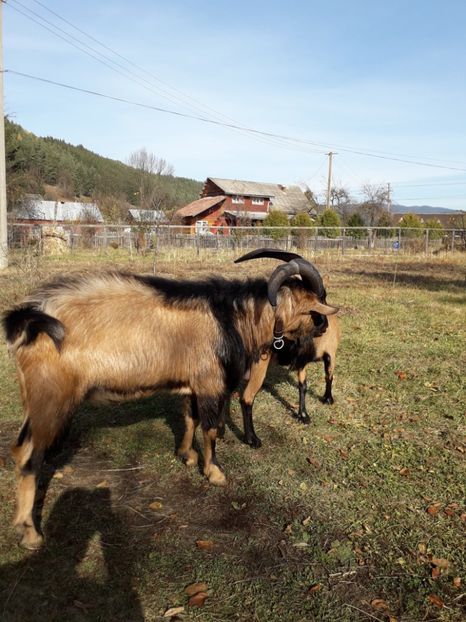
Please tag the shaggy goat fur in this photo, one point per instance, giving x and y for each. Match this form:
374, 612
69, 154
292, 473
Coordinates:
117, 336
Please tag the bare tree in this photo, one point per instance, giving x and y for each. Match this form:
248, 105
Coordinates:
150, 169
375, 203
341, 201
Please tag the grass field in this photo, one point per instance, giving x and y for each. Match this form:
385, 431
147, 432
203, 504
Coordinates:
358, 516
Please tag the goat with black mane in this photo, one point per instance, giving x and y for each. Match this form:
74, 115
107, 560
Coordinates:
118, 336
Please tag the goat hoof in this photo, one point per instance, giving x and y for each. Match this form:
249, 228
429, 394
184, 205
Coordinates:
215, 476
254, 441
189, 457
304, 418
328, 399
31, 540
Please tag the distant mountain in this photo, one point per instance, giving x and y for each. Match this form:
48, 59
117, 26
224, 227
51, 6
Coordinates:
423, 209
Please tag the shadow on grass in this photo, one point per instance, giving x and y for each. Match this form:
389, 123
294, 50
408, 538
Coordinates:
48, 585
431, 281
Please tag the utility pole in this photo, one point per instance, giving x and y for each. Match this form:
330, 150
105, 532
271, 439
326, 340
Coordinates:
329, 181
3, 229
389, 198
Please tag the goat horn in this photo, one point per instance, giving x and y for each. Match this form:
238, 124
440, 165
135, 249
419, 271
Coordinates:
270, 253
307, 270
278, 276
311, 276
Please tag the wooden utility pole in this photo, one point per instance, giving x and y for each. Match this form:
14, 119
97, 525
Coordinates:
329, 180
3, 229
389, 198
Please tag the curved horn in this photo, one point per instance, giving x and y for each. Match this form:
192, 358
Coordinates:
311, 276
278, 276
270, 253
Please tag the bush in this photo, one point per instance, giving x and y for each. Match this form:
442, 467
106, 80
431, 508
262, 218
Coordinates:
436, 230
302, 219
276, 218
356, 220
411, 226
329, 218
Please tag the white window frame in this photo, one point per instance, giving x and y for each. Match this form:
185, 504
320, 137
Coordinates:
237, 199
257, 201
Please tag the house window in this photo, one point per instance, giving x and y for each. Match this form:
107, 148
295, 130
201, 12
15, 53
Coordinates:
257, 201
237, 199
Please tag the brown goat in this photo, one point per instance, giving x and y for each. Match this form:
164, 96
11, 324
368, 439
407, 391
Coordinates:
119, 336
311, 349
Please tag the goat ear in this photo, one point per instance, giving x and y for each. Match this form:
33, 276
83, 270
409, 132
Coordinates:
319, 307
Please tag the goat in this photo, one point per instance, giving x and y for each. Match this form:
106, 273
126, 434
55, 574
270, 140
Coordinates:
118, 336
319, 345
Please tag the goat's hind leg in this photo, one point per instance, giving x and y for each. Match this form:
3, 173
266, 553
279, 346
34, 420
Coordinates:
210, 410
191, 421
329, 365
28, 462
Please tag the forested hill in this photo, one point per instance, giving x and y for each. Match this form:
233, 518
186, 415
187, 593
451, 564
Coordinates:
48, 165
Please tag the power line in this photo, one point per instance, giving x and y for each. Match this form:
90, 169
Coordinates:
122, 70
222, 124
277, 139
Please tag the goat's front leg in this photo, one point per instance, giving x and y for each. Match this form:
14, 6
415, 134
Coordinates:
329, 365
210, 411
302, 384
191, 421
256, 379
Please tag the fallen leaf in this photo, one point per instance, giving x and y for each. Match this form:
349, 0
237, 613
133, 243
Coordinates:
314, 588
463, 517
156, 505
404, 471
102, 484
328, 438
315, 463
435, 600
300, 545
401, 375
451, 508
457, 581
379, 604
434, 508
440, 562
195, 588
198, 599
303, 486
173, 611
305, 522
422, 548
343, 453
205, 545
288, 529
435, 572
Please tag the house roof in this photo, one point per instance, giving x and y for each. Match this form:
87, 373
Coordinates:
146, 215
285, 198
200, 205
59, 211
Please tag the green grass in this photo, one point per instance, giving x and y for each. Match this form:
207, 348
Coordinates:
340, 505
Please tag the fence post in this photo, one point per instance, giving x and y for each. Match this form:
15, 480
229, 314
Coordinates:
399, 238
343, 234
453, 233
427, 241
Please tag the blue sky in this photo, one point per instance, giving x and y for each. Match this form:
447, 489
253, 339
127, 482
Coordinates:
363, 75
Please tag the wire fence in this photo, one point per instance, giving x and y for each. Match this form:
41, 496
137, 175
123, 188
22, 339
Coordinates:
55, 239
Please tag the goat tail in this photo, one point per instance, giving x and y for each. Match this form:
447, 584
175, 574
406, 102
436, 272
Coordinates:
23, 324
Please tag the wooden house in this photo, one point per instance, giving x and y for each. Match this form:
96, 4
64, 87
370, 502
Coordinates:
232, 202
